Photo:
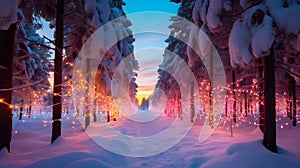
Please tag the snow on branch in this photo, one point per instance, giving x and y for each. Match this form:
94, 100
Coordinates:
23, 86
254, 31
2, 67
288, 71
42, 45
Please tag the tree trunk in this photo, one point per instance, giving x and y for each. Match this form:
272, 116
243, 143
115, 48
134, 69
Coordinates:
287, 106
108, 116
95, 109
95, 104
211, 76
269, 140
234, 96
87, 115
246, 104
241, 104
29, 109
290, 111
294, 109
87, 118
21, 112
7, 38
77, 109
260, 97
250, 104
179, 106
57, 103
192, 103
226, 104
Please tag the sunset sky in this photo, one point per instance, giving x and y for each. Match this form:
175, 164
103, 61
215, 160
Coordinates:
149, 47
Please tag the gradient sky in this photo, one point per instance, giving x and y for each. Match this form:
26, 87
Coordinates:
149, 47
150, 5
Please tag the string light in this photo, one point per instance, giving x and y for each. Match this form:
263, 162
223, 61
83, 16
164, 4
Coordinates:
108, 103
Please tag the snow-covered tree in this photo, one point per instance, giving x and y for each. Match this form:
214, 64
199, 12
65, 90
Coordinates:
8, 19
130, 65
31, 64
252, 28
166, 81
88, 16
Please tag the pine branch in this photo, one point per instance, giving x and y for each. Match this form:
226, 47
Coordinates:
52, 4
23, 86
287, 70
2, 67
69, 13
43, 45
50, 41
29, 55
68, 46
286, 64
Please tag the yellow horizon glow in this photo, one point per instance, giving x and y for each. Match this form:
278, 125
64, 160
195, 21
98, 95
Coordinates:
143, 92
140, 98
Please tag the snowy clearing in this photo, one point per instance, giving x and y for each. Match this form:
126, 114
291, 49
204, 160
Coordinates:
31, 146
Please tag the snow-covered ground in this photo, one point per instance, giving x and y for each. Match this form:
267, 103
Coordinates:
31, 146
